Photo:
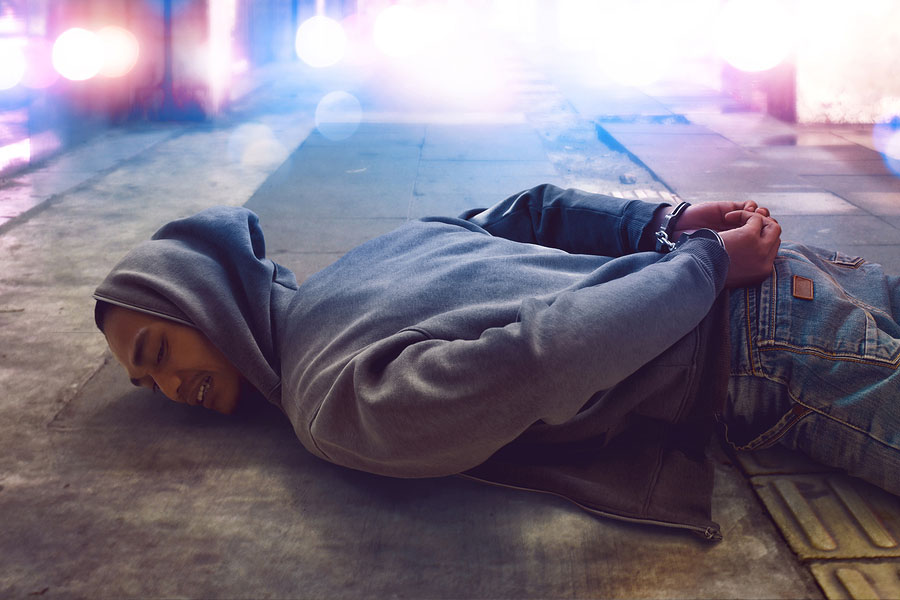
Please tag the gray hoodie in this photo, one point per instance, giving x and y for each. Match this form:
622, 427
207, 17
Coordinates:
536, 344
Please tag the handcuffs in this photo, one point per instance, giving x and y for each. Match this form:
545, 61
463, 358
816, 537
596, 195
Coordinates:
664, 242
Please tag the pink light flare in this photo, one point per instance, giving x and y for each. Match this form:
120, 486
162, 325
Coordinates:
120, 51
39, 57
220, 51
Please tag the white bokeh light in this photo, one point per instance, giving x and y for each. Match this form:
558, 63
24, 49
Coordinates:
12, 65
631, 63
338, 115
78, 54
399, 31
320, 42
754, 35
120, 51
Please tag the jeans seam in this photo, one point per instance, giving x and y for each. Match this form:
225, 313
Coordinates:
893, 363
784, 428
868, 435
750, 353
773, 434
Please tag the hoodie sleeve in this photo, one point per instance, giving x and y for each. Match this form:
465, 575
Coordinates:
571, 220
415, 406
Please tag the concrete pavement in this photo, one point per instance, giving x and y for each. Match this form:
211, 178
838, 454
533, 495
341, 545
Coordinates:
108, 491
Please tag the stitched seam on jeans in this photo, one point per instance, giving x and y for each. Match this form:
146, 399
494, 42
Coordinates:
838, 287
854, 262
773, 434
773, 303
865, 433
813, 409
846, 266
750, 355
834, 356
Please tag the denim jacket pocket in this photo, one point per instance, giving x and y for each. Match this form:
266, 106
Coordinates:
845, 260
825, 320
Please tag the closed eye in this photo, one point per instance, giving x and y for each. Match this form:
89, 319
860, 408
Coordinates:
162, 351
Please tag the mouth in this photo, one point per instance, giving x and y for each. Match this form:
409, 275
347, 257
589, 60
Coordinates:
202, 397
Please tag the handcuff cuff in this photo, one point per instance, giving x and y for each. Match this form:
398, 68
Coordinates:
664, 242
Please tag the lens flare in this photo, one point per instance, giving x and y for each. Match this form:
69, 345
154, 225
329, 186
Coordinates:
255, 145
15, 154
320, 42
39, 58
886, 137
78, 54
398, 31
12, 65
754, 35
631, 63
120, 51
338, 115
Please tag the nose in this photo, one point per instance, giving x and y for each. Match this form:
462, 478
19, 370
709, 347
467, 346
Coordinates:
168, 384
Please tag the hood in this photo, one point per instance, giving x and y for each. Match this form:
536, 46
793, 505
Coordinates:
210, 271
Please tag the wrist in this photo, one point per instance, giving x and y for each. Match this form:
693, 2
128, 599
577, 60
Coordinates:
665, 231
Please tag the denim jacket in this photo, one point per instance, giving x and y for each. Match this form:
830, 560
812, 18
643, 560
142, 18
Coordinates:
539, 344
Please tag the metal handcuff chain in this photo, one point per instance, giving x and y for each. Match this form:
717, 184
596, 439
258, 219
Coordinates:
664, 242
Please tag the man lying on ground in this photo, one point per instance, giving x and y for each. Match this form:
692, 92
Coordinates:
559, 341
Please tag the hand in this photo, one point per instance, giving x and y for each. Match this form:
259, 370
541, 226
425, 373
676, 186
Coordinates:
712, 215
752, 241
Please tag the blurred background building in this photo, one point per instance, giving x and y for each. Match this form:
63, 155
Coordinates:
69, 69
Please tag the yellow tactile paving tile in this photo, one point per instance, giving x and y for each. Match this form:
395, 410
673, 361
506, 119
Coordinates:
858, 580
832, 516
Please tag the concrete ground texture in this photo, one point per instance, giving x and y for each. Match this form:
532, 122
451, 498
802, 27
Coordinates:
109, 491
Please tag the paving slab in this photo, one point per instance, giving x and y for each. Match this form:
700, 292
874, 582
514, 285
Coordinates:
838, 232
151, 498
482, 142
832, 515
126, 493
855, 580
449, 204
842, 197
845, 152
382, 136
844, 184
783, 203
341, 181
25, 191
286, 232
665, 141
500, 178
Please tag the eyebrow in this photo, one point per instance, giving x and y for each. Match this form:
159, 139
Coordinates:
137, 354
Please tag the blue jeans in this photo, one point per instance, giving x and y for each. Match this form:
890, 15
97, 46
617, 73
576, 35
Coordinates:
815, 356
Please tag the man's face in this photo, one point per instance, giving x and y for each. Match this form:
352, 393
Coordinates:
178, 360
